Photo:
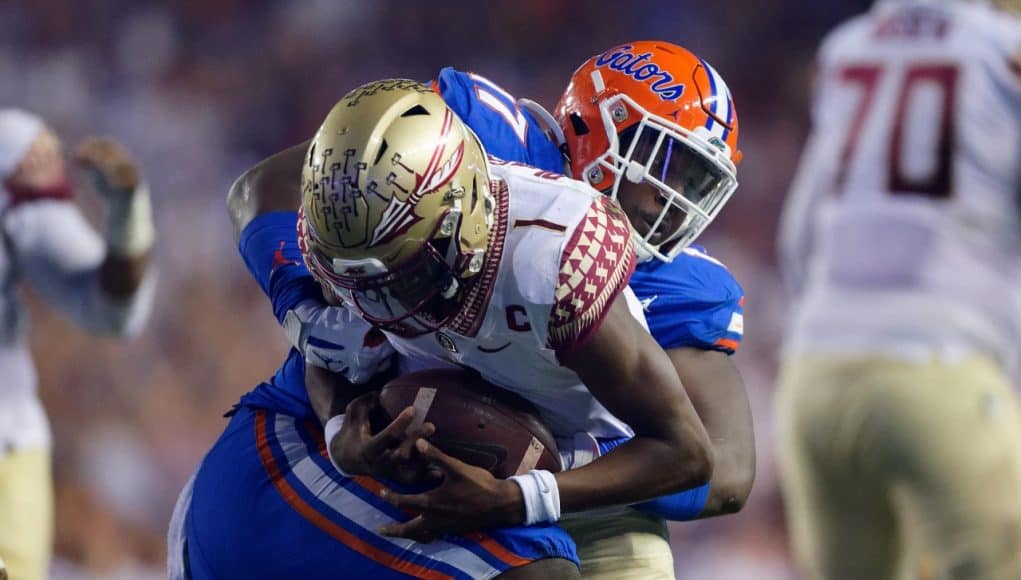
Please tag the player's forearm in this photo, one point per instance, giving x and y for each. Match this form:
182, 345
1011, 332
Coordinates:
719, 396
323, 393
680, 506
273, 184
330, 393
634, 379
639, 470
269, 247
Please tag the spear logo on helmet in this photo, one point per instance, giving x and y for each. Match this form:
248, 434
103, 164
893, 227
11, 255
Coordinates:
399, 213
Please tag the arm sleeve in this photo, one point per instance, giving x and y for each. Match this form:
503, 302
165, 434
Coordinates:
269, 247
707, 326
595, 267
693, 301
59, 254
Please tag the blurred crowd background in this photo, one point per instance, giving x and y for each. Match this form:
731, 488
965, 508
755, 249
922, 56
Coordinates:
201, 89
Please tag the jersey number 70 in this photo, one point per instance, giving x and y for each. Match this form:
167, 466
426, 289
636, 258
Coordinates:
938, 141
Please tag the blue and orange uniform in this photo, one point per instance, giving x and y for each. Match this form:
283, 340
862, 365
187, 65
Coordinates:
269, 486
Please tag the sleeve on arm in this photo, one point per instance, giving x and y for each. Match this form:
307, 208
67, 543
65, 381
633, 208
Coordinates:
594, 269
506, 131
59, 254
708, 326
679, 507
269, 246
692, 302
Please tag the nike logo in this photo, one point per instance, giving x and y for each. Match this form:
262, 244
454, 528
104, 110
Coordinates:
280, 260
647, 302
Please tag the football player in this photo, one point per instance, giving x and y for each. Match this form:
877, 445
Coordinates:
899, 428
101, 282
515, 272
652, 125
692, 302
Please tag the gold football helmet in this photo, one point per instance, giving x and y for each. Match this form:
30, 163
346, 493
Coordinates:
396, 206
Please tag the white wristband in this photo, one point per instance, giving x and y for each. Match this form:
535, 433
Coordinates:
541, 494
129, 227
330, 431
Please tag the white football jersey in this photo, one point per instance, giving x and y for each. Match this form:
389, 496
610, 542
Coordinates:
560, 255
48, 244
902, 226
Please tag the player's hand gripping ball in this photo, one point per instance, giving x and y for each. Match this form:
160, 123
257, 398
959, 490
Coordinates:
476, 421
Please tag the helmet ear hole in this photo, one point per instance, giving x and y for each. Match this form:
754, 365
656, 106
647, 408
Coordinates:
442, 245
382, 149
475, 194
578, 124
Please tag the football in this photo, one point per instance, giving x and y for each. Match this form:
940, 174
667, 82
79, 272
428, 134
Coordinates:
476, 421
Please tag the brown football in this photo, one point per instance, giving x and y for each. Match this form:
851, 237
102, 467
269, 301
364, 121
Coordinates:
476, 421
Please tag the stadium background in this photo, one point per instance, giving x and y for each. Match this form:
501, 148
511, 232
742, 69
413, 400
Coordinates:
201, 89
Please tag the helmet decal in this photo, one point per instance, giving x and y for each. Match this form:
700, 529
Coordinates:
399, 213
654, 123
721, 108
397, 207
640, 68
343, 211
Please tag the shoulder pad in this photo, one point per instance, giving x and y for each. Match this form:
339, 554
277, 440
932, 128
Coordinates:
594, 269
506, 130
693, 301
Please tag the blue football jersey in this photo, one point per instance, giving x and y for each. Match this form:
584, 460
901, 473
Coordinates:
693, 301
506, 130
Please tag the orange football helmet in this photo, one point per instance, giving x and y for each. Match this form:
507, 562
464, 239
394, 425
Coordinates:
653, 112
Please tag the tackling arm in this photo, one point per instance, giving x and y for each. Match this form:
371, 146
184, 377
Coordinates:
633, 378
271, 185
718, 394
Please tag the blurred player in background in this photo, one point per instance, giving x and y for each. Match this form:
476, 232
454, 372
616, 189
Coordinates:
101, 282
900, 431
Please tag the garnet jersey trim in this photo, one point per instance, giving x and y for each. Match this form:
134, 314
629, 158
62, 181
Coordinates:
19, 194
594, 268
469, 318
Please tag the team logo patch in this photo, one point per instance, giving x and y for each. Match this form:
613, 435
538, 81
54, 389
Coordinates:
638, 67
